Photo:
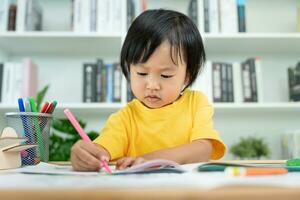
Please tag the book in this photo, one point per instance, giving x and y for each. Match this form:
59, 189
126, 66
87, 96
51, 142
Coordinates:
193, 11
237, 82
217, 82
89, 82
294, 82
152, 166
117, 82
4, 6
229, 76
12, 16
228, 16
21, 15
30, 78
253, 80
99, 87
109, 82
224, 82
246, 81
130, 13
241, 15
214, 18
33, 16
206, 15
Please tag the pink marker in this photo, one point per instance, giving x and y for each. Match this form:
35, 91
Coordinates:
83, 135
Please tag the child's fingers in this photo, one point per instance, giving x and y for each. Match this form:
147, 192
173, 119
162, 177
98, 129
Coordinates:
120, 162
91, 148
138, 161
127, 162
78, 165
81, 166
89, 160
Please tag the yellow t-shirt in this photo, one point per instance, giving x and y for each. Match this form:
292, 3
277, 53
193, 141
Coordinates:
136, 129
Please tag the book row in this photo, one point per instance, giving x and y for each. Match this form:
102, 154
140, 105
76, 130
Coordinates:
21, 15
224, 16
232, 82
101, 16
102, 82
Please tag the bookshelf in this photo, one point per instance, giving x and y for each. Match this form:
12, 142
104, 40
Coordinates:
60, 54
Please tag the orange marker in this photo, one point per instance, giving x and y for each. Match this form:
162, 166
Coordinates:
254, 171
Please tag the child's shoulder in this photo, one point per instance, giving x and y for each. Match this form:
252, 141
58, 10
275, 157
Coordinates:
195, 95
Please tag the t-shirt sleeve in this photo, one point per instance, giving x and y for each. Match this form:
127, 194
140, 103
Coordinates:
113, 137
203, 127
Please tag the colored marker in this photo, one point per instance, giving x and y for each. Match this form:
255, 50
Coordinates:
254, 171
54, 106
29, 154
51, 107
45, 106
21, 105
83, 135
38, 130
27, 105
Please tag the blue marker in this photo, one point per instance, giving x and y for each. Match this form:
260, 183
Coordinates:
21, 105
29, 154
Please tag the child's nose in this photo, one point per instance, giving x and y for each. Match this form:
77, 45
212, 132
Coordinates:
152, 83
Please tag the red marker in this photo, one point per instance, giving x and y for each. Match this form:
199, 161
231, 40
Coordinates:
44, 108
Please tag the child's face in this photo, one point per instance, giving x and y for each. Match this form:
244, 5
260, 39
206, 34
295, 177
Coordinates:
158, 82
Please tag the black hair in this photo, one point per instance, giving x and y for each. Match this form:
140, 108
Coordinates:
152, 28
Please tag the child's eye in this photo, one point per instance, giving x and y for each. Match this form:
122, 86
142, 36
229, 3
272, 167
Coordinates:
141, 74
166, 76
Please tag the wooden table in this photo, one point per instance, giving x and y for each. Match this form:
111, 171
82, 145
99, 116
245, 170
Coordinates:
223, 193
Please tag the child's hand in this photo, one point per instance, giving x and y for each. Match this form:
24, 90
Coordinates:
86, 156
125, 162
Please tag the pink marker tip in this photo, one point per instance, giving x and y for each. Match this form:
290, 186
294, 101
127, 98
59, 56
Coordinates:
106, 167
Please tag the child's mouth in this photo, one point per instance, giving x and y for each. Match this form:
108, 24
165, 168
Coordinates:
152, 98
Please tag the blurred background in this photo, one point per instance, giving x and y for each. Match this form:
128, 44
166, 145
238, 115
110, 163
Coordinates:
72, 47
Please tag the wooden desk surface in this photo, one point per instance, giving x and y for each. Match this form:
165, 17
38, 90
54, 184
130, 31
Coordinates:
222, 193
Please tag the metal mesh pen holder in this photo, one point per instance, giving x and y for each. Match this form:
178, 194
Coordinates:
36, 128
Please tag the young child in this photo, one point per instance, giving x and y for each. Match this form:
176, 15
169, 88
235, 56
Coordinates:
161, 57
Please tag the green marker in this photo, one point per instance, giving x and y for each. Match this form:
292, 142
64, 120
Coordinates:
38, 129
293, 162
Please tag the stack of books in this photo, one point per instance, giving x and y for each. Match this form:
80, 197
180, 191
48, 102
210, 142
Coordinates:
102, 82
17, 80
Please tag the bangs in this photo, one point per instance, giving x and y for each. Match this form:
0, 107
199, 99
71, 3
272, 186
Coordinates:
177, 48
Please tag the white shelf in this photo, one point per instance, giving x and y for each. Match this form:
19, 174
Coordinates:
249, 43
91, 43
94, 108
59, 43
258, 107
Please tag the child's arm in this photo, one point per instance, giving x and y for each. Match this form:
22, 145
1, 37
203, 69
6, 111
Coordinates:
86, 156
196, 151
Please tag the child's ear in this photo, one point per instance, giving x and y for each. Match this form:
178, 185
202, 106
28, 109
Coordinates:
186, 81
